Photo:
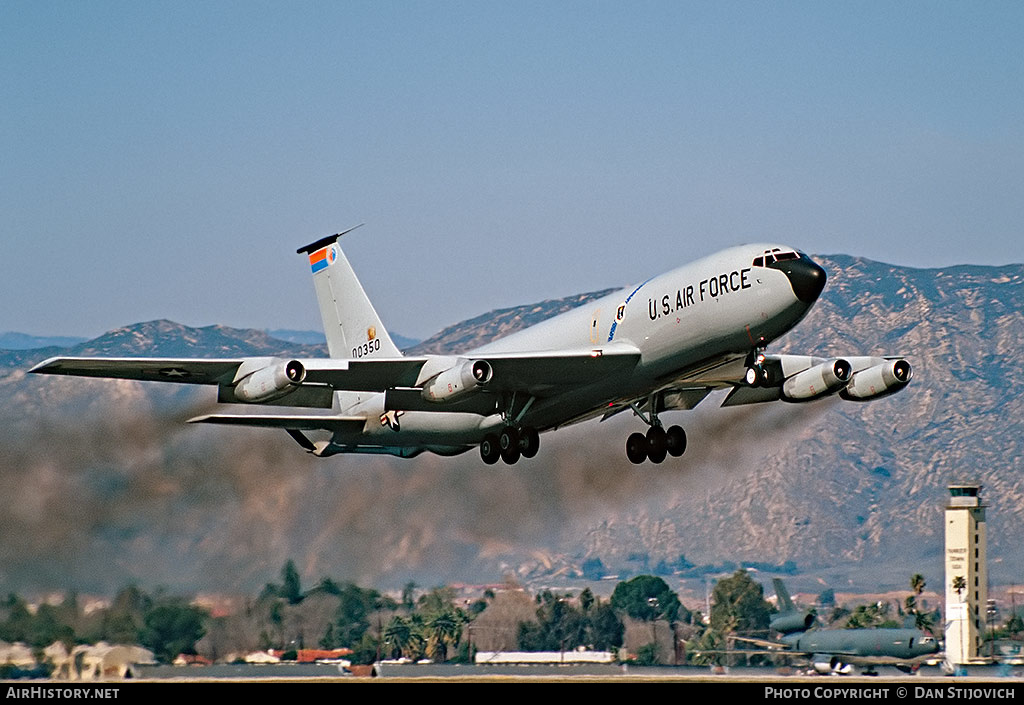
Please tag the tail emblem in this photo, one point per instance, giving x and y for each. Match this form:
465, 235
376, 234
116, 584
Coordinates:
371, 333
323, 257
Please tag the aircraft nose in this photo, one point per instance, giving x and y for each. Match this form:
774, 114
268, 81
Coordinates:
805, 276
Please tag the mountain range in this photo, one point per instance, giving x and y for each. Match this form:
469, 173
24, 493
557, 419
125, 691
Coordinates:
104, 484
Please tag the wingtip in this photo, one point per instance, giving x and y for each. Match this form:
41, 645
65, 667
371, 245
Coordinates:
41, 367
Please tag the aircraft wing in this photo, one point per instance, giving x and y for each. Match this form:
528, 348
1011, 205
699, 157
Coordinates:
155, 369
771, 646
533, 372
541, 372
353, 375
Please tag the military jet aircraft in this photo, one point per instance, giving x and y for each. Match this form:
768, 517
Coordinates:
837, 651
663, 344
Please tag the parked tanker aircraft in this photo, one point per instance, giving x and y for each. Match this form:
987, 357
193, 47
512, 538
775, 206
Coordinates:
837, 651
660, 345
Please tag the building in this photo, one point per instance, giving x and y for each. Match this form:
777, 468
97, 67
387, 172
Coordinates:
966, 575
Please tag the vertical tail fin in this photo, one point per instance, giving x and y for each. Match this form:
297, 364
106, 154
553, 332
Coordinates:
351, 324
785, 602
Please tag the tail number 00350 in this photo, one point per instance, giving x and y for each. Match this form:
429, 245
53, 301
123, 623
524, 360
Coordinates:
366, 348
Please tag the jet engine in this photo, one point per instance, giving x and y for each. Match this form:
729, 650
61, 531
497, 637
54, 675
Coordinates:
878, 381
458, 381
792, 622
269, 382
817, 381
826, 664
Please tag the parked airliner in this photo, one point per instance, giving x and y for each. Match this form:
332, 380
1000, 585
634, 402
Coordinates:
663, 344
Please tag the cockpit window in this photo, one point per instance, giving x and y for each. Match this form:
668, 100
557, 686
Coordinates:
774, 255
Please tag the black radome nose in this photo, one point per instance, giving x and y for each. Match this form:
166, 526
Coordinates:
805, 276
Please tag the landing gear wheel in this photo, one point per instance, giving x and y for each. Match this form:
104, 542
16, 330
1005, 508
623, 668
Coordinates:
529, 442
657, 444
757, 377
636, 448
508, 438
489, 449
675, 441
511, 455
508, 441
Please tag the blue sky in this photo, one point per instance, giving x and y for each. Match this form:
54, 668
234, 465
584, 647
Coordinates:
165, 159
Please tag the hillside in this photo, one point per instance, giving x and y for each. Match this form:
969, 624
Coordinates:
103, 484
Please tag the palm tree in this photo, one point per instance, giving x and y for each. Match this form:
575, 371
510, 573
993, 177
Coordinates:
444, 628
959, 584
398, 636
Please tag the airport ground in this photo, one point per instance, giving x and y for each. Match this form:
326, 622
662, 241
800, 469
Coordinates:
574, 673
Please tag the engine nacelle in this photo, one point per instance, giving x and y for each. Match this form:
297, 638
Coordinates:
793, 622
881, 380
825, 378
270, 382
826, 664
458, 381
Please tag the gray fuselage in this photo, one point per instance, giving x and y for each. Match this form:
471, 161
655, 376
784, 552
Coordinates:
682, 321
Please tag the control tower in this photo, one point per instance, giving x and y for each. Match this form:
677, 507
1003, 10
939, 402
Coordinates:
966, 574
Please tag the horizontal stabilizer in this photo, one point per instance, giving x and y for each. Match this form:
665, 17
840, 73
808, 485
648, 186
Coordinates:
342, 424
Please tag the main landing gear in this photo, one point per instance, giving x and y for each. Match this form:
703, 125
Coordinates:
510, 444
657, 443
514, 440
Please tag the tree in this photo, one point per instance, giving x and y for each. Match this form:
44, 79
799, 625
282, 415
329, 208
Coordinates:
291, 586
173, 626
439, 599
444, 629
738, 605
606, 629
404, 637
871, 616
560, 626
586, 600
647, 598
354, 607
19, 620
409, 595
1015, 625
647, 655
922, 619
